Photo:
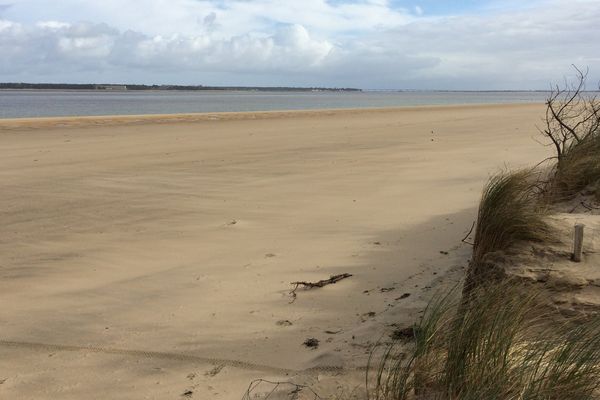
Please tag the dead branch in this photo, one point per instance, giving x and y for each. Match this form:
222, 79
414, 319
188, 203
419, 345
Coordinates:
310, 285
323, 282
571, 114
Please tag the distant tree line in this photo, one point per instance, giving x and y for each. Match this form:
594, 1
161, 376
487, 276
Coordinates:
47, 86
91, 86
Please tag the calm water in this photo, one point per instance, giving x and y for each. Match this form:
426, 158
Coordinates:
15, 104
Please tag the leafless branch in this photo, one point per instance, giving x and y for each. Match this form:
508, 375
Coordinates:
571, 113
310, 285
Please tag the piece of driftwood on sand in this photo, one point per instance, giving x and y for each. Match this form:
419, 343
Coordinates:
311, 285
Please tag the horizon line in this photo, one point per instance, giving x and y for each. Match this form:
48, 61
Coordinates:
183, 87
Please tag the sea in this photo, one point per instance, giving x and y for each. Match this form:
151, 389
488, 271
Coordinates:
55, 103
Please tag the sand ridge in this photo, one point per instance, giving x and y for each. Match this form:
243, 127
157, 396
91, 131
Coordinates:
111, 120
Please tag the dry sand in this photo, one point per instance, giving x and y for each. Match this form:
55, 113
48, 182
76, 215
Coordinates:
139, 253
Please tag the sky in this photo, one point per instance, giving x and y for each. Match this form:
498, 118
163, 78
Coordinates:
367, 44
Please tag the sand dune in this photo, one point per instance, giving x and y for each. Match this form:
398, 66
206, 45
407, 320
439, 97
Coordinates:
139, 253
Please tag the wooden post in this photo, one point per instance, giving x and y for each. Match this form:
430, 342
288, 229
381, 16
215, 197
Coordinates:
578, 242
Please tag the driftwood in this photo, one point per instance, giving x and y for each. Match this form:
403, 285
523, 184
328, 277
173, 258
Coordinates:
311, 285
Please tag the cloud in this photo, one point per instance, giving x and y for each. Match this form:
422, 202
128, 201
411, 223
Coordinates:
86, 46
235, 17
4, 7
365, 44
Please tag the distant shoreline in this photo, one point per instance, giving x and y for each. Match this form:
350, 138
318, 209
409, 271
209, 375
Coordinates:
267, 89
31, 103
110, 87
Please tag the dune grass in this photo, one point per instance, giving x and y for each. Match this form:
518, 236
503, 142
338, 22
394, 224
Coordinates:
491, 349
509, 212
577, 168
494, 341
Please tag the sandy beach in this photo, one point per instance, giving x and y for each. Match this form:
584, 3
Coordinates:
144, 257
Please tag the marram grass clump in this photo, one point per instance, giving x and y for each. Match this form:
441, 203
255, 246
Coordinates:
509, 212
577, 168
494, 346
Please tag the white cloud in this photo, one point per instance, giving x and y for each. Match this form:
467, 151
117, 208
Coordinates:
289, 48
314, 42
52, 24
